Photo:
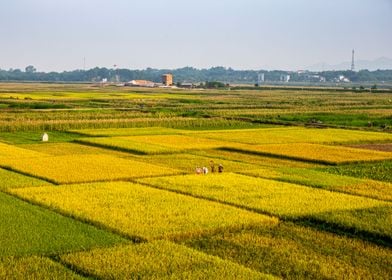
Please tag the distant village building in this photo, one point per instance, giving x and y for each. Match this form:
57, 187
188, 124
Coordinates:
187, 85
45, 137
167, 79
285, 78
140, 83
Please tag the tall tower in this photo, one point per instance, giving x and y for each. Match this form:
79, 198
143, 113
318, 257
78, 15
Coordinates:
352, 62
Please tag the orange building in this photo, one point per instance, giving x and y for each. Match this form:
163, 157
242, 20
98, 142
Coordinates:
167, 79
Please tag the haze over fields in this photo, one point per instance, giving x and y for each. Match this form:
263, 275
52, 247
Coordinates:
249, 34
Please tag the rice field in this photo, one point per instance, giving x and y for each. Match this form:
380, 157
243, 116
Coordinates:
157, 260
114, 194
317, 153
30, 230
297, 135
140, 212
286, 200
35, 267
86, 168
318, 179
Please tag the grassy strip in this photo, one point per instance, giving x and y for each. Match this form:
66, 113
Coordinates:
297, 252
138, 211
111, 132
28, 229
378, 171
157, 260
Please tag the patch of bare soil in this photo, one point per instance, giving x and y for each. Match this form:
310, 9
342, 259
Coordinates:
385, 147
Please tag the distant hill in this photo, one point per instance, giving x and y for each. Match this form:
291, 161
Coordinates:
382, 63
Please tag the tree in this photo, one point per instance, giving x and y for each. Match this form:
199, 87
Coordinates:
30, 69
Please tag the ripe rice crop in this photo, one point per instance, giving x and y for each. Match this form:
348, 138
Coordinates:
296, 252
34, 268
9, 179
127, 145
318, 179
188, 162
296, 135
259, 160
27, 229
157, 260
64, 149
286, 200
127, 131
142, 212
11, 152
315, 152
179, 142
86, 168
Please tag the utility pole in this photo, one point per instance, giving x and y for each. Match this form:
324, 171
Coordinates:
352, 62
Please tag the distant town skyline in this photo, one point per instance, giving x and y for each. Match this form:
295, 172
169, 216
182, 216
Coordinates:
249, 34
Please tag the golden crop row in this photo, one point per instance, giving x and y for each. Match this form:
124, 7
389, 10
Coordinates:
143, 212
127, 145
319, 179
86, 168
157, 260
188, 162
127, 131
315, 152
296, 135
10, 151
179, 142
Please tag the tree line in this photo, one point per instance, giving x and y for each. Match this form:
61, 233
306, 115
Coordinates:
191, 75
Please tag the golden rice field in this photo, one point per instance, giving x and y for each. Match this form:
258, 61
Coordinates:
127, 144
286, 200
157, 260
297, 135
9, 151
141, 212
315, 152
86, 168
314, 178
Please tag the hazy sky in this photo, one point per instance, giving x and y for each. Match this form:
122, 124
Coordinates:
55, 35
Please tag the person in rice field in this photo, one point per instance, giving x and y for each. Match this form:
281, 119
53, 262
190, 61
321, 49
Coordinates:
220, 168
212, 165
198, 170
205, 170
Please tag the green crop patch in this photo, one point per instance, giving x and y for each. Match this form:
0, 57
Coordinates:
141, 212
157, 260
34, 268
27, 229
9, 179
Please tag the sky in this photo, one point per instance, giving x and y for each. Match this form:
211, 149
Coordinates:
58, 35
